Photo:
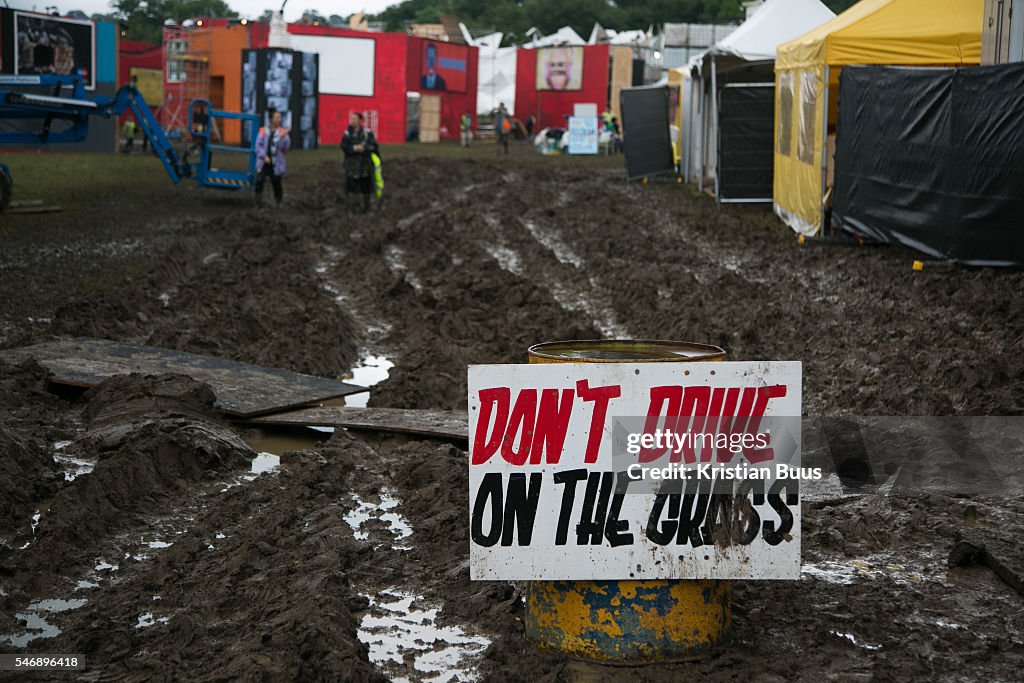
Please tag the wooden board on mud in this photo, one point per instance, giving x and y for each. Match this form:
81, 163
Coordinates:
242, 390
440, 424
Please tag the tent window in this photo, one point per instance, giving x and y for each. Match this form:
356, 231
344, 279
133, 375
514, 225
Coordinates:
785, 113
808, 100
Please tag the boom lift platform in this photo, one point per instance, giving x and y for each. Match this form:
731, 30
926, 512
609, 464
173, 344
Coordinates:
62, 98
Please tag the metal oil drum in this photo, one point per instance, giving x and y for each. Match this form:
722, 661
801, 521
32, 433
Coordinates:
628, 622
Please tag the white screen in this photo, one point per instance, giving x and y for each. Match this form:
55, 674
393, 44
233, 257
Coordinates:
346, 64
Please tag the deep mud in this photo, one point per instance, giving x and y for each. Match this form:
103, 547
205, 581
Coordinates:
140, 500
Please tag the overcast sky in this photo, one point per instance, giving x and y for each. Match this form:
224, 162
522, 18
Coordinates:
247, 8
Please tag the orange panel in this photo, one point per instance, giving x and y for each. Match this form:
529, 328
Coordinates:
226, 64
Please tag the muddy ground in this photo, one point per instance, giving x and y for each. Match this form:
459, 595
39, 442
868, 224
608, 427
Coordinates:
168, 556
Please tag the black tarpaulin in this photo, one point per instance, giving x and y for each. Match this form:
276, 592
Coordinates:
746, 143
933, 159
645, 136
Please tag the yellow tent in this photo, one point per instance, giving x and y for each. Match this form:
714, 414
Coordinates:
898, 32
676, 79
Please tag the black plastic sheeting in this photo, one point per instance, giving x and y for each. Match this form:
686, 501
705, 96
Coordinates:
746, 143
645, 135
933, 159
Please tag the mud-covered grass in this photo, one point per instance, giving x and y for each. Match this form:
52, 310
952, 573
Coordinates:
473, 257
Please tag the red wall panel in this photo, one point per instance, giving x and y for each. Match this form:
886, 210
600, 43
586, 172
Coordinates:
136, 54
389, 85
550, 107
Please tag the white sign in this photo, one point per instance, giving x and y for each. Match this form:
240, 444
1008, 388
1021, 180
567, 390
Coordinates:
582, 135
603, 471
346, 64
585, 110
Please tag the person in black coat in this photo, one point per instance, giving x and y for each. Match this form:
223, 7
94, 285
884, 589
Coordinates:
359, 144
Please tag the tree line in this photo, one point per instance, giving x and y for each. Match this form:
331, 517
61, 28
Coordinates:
516, 17
144, 19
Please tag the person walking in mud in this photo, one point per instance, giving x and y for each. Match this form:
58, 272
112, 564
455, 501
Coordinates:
466, 129
502, 126
129, 135
359, 146
271, 149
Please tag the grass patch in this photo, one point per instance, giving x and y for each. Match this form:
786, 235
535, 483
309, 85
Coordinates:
88, 180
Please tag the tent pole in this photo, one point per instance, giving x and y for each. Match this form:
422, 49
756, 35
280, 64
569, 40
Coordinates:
714, 120
689, 134
825, 228
703, 137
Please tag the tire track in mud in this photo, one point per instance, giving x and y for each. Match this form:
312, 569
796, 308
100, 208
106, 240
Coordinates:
406, 623
556, 267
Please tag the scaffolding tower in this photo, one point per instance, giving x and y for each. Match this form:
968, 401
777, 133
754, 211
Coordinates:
187, 76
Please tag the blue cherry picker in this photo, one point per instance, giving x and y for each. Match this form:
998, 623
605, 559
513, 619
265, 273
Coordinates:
62, 108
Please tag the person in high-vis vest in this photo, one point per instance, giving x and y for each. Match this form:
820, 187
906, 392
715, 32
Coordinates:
378, 177
271, 149
359, 144
466, 129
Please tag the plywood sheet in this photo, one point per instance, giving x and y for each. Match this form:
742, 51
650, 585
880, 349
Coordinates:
241, 389
440, 424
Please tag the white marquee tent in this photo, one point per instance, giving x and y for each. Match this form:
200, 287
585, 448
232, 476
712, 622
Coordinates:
748, 53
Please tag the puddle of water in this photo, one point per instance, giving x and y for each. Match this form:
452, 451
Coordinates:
556, 246
370, 371
103, 566
159, 545
870, 569
73, 467
34, 523
146, 620
951, 625
325, 430
86, 585
507, 258
56, 605
279, 443
857, 641
405, 640
394, 256
265, 462
36, 626
365, 511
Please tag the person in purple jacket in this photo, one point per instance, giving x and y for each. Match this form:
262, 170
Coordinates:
271, 152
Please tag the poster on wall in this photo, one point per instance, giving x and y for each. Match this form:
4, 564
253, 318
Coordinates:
150, 83
308, 123
286, 81
54, 45
582, 135
560, 68
443, 67
278, 85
